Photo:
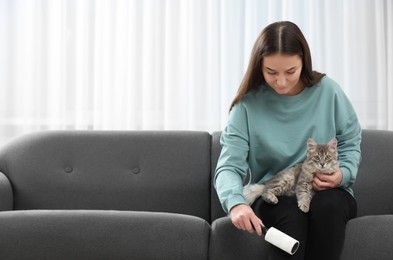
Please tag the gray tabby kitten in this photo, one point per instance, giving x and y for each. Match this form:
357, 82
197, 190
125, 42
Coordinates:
297, 179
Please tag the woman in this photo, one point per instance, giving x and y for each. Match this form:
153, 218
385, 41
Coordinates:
280, 103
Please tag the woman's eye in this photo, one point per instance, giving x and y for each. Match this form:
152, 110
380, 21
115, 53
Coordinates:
291, 72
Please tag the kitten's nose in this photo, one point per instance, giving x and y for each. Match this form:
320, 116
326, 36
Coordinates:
322, 164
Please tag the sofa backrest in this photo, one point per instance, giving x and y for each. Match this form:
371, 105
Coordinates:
374, 183
160, 171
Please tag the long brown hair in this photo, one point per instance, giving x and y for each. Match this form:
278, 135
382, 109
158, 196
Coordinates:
283, 38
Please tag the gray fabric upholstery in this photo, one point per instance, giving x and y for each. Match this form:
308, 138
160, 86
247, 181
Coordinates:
150, 195
106, 195
373, 187
229, 243
133, 170
369, 237
6, 196
81, 234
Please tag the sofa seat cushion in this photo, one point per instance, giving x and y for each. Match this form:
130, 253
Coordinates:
100, 234
227, 242
369, 237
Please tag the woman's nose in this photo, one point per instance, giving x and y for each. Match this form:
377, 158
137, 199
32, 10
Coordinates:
281, 80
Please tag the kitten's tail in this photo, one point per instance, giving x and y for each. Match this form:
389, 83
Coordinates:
252, 191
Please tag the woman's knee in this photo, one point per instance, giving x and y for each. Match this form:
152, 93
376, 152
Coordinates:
284, 215
334, 203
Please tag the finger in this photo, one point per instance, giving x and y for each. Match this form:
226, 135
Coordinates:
315, 186
242, 226
248, 226
317, 181
318, 185
257, 223
323, 177
240, 223
237, 223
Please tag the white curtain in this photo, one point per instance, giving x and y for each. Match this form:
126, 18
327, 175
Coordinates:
174, 64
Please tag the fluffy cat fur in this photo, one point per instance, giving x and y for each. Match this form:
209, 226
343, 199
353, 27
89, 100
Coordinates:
297, 180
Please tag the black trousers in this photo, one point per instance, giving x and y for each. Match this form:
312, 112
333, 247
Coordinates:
321, 231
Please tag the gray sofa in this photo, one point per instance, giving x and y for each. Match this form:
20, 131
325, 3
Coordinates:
149, 195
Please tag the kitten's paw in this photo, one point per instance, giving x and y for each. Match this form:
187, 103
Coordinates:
270, 198
252, 192
305, 207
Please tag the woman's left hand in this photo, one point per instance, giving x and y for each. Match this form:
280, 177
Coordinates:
323, 181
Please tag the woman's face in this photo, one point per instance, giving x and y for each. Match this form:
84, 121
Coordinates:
282, 73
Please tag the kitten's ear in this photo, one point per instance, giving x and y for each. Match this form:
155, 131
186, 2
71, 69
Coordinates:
333, 143
311, 145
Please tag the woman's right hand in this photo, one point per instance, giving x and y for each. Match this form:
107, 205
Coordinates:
244, 218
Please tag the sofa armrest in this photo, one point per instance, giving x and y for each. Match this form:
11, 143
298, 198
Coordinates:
369, 237
6, 195
227, 242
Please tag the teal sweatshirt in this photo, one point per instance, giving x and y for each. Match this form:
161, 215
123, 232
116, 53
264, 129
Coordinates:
267, 132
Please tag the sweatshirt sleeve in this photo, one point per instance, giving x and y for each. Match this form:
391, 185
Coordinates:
348, 133
232, 166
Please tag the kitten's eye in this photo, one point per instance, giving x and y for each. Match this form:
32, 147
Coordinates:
328, 157
316, 158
